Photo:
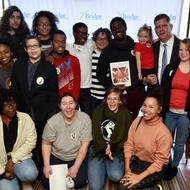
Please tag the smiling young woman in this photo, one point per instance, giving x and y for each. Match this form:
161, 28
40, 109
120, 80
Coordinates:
176, 84
66, 138
110, 124
147, 149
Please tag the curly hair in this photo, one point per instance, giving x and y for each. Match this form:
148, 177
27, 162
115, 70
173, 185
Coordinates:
103, 30
158, 94
51, 17
4, 22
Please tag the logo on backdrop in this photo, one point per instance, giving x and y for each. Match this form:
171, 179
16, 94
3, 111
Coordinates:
90, 16
128, 16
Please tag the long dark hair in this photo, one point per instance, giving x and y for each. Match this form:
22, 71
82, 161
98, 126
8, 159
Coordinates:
4, 22
51, 17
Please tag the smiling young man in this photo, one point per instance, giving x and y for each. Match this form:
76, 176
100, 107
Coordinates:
82, 49
67, 65
120, 50
35, 82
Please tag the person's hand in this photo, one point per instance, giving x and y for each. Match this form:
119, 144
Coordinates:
9, 175
49, 59
151, 79
72, 172
123, 181
108, 151
9, 166
130, 179
140, 76
47, 170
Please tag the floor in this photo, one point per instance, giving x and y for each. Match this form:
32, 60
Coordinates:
185, 169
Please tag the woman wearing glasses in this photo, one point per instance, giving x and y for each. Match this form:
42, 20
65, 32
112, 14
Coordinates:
110, 124
17, 139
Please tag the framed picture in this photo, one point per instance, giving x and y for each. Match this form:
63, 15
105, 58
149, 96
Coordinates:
120, 73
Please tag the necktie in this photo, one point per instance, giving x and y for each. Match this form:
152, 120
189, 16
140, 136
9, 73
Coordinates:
164, 60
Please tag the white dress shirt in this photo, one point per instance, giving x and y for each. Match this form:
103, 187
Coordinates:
169, 43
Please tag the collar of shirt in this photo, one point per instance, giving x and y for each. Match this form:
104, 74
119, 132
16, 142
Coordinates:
33, 64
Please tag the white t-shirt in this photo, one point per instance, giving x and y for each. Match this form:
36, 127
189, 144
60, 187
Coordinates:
84, 54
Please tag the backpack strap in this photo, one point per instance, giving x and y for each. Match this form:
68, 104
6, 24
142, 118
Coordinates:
139, 122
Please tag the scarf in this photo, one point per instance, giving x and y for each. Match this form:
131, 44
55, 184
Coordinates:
119, 134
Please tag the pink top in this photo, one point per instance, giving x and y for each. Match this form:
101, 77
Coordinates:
151, 142
179, 90
147, 56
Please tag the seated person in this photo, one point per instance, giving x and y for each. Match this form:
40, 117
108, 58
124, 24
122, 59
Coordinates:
17, 139
150, 142
66, 138
110, 124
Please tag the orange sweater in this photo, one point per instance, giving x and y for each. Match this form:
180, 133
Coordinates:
151, 142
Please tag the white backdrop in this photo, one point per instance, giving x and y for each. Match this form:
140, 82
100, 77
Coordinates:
98, 13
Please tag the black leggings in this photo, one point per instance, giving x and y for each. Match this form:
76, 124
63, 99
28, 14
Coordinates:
137, 166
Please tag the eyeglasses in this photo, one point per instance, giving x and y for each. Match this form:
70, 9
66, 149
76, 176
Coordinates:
44, 24
83, 33
101, 39
13, 104
33, 46
112, 99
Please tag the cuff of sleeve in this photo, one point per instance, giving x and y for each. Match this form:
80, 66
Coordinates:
144, 83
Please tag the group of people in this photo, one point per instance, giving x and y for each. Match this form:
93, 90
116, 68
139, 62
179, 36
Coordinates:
44, 82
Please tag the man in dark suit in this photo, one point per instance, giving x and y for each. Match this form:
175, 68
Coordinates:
167, 41
36, 85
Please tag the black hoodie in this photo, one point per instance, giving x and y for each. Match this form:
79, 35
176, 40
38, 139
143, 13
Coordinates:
115, 52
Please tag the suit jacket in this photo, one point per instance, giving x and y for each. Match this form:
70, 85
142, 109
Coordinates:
174, 55
42, 99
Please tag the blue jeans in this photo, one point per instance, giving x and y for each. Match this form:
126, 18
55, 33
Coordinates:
25, 171
180, 124
97, 169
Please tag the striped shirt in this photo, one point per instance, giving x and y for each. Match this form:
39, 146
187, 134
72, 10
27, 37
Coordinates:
97, 89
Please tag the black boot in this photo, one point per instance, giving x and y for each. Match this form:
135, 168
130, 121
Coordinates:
170, 173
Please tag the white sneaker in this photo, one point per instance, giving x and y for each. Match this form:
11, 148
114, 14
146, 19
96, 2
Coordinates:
159, 186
